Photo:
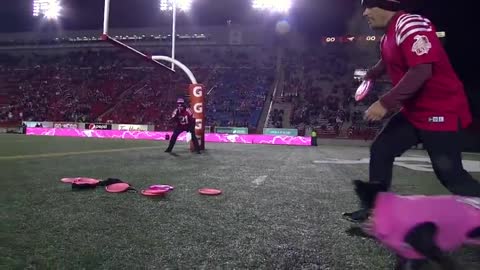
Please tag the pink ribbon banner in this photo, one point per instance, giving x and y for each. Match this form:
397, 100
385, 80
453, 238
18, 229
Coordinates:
161, 136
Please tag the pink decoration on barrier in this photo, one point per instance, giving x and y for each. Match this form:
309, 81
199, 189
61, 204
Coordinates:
160, 135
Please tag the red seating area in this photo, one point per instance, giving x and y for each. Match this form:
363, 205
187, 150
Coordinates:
111, 85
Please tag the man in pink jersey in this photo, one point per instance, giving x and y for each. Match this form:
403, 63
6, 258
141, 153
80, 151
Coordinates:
431, 99
184, 121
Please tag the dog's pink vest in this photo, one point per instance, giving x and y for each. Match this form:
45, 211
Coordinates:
394, 216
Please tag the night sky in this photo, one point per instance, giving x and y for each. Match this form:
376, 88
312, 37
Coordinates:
312, 17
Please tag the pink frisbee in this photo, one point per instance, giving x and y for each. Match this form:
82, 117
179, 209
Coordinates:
209, 191
363, 89
117, 188
80, 180
156, 187
154, 192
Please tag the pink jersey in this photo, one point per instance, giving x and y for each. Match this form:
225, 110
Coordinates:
441, 104
394, 216
183, 117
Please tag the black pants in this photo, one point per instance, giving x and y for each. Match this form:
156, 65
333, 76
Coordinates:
444, 150
177, 132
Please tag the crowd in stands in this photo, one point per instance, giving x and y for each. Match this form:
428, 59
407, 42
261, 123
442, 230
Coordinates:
70, 87
117, 86
319, 84
238, 96
109, 85
277, 118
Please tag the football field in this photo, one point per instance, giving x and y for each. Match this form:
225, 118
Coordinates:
280, 208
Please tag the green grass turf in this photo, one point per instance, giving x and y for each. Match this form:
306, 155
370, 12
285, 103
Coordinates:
278, 210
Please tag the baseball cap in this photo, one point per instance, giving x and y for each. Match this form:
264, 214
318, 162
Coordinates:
390, 5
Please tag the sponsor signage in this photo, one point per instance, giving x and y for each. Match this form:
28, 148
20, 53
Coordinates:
98, 126
34, 124
231, 130
65, 125
280, 131
133, 127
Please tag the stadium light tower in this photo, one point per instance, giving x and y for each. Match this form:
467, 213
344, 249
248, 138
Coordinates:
172, 5
277, 6
49, 9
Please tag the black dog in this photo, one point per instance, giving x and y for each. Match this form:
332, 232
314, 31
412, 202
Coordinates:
419, 239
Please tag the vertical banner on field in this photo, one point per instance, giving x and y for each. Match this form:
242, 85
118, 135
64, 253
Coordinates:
197, 101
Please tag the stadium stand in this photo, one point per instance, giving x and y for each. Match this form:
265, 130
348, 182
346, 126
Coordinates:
109, 85
303, 88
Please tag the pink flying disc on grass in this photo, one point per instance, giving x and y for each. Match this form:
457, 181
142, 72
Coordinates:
155, 187
68, 180
363, 89
80, 180
154, 192
209, 191
117, 188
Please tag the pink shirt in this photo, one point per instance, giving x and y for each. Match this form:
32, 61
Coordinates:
394, 216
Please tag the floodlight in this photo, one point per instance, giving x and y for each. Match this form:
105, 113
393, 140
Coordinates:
165, 5
282, 6
53, 12
183, 5
50, 9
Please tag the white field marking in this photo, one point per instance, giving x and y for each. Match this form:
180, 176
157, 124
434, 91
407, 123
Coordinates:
48, 155
416, 163
259, 180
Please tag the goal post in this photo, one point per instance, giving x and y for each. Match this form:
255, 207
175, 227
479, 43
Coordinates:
196, 91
